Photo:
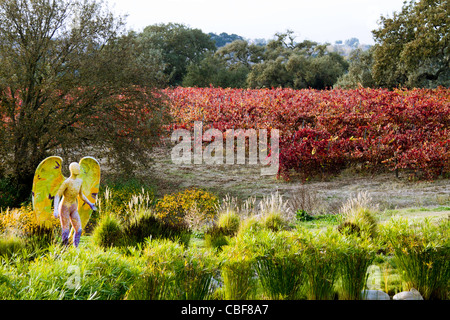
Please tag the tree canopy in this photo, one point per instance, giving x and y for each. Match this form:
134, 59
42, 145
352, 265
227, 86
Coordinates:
179, 46
70, 82
412, 47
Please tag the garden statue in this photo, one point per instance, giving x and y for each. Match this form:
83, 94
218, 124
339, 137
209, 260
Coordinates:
73, 197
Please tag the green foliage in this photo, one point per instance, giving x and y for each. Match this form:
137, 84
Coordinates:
302, 215
358, 216
213, 70
178, 46
359, 71
147, 225
229, 221
175, 273
173, 208
66, 77
296, 65
216, 237
238, 273
274, 221
10, 245
71, 274
321, 268
227, 226
280, 265
249, 225
422, 252
108, 232
355, 255
360, 221
412, 46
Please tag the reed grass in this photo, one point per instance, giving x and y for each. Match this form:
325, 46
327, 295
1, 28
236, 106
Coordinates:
280, 265
176, 273
355, 255
237, 269
422, 252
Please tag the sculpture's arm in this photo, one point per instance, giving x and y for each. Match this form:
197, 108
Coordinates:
85, 199
58, 196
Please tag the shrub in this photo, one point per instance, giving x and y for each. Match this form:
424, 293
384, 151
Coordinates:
302, 215
355, 255
216, 238
274, 221
422, 252
249, 225
108, 232
22, 222
320, 263
280, 265
238, 272
227, 226
229, 222
174, 272
11, 244
146, 225
172, 209
357, 216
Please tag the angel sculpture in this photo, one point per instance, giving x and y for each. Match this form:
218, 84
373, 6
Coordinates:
74, 197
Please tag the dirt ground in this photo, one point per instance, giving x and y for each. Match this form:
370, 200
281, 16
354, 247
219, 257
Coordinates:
243, 181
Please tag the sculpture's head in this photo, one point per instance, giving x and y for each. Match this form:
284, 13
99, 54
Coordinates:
74, 168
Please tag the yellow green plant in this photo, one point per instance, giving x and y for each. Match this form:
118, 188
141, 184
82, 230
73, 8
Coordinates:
422, 252
173, 208
22, 222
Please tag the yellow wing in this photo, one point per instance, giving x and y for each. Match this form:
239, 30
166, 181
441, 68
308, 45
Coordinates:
47, 180
90, 174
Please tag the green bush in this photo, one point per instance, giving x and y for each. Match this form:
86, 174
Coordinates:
320, 256
108, 232
280, 265
302, 215
358, 216
238, 272
175, 273
72, 274
422, 252
249, 225
146, 225
354, 256
11, 244
274, 221
360, 221
229, 222
216, 238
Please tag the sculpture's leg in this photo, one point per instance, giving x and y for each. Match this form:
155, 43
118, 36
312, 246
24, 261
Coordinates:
65, 224
76, 224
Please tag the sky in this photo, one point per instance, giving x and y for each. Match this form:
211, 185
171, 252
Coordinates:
317, 20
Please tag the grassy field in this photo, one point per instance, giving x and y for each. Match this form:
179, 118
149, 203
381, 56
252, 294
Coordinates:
130, 250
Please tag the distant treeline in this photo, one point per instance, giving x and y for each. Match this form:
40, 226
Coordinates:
411, 50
